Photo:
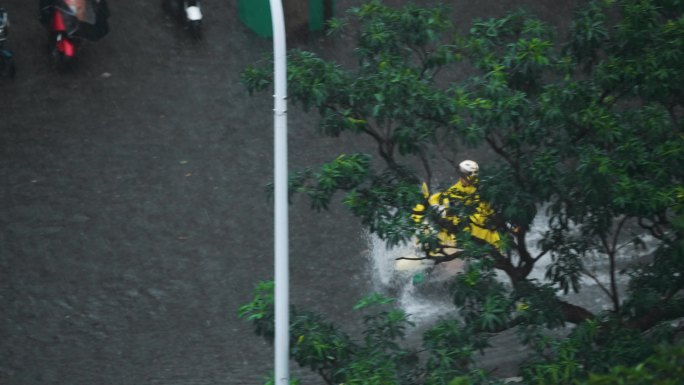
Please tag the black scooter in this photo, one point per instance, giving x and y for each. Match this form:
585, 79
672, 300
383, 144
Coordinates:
7, 67
189, 12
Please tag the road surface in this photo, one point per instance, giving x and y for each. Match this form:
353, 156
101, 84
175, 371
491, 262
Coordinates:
134, 220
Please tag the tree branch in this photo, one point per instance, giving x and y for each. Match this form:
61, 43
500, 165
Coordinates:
657, 314
600, 285
575, 314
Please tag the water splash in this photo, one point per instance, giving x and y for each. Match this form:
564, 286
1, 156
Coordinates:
429, 300
397, 278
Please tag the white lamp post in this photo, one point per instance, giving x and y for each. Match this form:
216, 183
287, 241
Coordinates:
282, 279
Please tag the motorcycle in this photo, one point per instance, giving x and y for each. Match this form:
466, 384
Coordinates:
189, 12
193, 17
62, 42
69, 23
7, 67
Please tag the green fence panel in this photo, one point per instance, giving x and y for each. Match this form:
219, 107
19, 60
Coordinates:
256, 14
318, 13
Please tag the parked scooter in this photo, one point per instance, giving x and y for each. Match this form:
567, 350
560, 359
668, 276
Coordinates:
193, 17
7, 67
62, 42
189, 12
69, 23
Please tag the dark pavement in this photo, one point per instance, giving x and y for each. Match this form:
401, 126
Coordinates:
133, 215
134, 220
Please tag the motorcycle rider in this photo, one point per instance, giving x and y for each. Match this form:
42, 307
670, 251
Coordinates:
91, 31
463, 192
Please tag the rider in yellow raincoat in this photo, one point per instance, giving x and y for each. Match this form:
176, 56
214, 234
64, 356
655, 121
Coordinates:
463, 192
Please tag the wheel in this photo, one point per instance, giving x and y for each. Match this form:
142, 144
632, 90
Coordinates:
11, 70
7, 67
195, 27
63, 52
60, 61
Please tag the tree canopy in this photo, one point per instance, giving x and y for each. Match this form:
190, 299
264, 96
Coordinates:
586, 128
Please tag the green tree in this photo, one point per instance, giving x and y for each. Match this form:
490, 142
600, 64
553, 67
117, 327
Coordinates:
665, 367
586, 127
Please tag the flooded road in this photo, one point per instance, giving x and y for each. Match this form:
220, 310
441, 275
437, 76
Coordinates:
134, 220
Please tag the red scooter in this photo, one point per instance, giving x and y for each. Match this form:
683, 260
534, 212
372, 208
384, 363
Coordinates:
69, 22
62, 42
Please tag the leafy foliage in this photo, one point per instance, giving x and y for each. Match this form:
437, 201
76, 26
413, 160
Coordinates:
587, 131
321, 346
665, 367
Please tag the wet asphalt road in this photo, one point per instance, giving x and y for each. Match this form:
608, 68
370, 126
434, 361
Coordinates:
133, 217
134, 220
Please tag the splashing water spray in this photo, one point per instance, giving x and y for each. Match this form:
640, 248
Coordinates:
420, 287
403, 280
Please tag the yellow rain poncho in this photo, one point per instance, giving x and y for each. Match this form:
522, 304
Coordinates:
460, 194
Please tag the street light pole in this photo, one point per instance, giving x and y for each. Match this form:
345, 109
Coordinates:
281, 243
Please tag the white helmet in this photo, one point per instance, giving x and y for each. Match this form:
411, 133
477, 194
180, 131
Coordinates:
468, 168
